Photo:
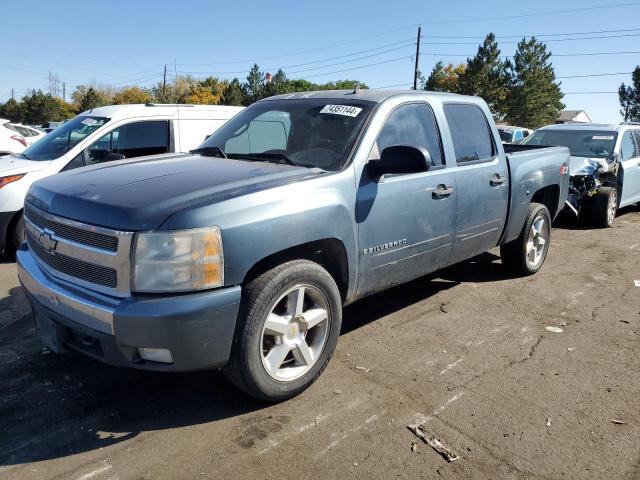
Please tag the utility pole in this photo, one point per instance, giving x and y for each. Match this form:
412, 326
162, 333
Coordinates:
64, 91
13, 95
164, 79
415, 71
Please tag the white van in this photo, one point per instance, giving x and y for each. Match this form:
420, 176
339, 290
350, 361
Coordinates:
101, 135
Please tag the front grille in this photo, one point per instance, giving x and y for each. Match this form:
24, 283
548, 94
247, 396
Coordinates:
88, 272
92, 239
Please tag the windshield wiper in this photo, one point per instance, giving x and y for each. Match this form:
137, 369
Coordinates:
213, 151
270, 157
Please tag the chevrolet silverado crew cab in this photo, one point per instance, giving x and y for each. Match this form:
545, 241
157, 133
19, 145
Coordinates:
241, 254
100, 135
604, 170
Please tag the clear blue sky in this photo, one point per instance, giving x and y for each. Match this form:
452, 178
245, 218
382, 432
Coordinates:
117, 42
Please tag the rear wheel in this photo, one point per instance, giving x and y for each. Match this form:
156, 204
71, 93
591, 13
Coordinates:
292, 316
526, 254
604, 206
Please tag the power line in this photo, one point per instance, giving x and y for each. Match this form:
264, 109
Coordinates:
546, 41
596, 32
553, 55
587, 93
596, 75
360, 67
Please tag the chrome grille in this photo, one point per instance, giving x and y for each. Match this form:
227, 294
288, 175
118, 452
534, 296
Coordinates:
94, 239
90, 256
76, 268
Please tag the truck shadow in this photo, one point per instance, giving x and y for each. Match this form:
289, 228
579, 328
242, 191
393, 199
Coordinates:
53, 406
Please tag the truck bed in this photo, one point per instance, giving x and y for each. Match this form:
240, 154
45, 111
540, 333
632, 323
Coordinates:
531, 169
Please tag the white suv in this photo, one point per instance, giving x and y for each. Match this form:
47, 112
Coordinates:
101, 135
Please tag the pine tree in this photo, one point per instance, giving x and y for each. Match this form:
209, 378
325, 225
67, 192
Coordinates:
630, 98
486, 75
233, 94
254, 86
535, 97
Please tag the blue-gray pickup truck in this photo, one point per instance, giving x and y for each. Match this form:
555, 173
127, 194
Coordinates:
241, 254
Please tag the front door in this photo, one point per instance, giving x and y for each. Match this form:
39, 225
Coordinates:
482, 182
405, 222
630, 164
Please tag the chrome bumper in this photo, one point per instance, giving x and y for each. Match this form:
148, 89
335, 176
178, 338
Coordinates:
75, 303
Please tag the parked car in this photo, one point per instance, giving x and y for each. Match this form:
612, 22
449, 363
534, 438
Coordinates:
30, 134
509, 134
50, 126
97, 136
605, 167
10, 139
241, 254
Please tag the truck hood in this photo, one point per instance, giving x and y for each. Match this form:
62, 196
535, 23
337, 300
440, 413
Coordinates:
140, 194
13, 165
587, 166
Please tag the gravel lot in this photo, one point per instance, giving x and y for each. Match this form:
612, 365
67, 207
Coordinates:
466, 350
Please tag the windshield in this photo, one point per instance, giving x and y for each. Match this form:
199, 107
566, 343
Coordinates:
64, 138
306, 132
581, 143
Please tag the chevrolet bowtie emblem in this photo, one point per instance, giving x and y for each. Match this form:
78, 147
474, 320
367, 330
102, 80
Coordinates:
47, 242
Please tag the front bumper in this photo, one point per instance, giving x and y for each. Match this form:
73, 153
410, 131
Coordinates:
196, 328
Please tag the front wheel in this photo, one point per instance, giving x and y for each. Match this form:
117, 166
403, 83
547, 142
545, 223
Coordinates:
18, 235
604, 207
526, 254
291, 318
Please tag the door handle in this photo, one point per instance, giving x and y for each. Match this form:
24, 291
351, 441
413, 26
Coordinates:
442, 191
496, 180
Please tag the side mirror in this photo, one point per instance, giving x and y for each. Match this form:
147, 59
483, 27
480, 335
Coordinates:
112, 156
401, 159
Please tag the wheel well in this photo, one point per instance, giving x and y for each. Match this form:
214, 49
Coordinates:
548, 196
329, 253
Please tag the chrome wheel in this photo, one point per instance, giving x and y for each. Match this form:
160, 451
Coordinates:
538, 236
295, 333
612, 207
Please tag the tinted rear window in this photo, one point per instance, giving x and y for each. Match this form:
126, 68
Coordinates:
472, 140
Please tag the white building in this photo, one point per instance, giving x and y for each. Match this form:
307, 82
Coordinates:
573, 116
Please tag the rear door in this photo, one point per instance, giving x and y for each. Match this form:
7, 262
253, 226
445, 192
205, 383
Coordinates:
406, 221
482, 181
630, 162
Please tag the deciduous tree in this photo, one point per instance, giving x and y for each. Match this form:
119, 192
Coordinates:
444, 78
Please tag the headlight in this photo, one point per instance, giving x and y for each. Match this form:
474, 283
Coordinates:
178, 261
10, 179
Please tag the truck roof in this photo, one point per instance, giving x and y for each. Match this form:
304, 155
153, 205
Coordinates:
153, 109
377, 96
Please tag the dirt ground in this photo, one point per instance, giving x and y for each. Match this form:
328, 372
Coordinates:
466, 351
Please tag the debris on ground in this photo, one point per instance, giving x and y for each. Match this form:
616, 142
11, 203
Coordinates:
364, 369
45, 351
443, 307
337, 392
618, 422
548, 422
570, 349
554, 329
433, 442
636, 283
414, 447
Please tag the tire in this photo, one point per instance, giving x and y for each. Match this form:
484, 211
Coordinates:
604, 206
254, 365
518, 255
18, 233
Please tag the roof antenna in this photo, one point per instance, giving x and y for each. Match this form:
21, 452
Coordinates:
356, 87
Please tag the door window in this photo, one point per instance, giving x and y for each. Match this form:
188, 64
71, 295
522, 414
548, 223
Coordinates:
414, 125
627, 147
131, 140
472, 139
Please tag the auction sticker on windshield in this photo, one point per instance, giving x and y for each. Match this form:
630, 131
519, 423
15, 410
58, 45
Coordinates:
602, 137
346, 110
